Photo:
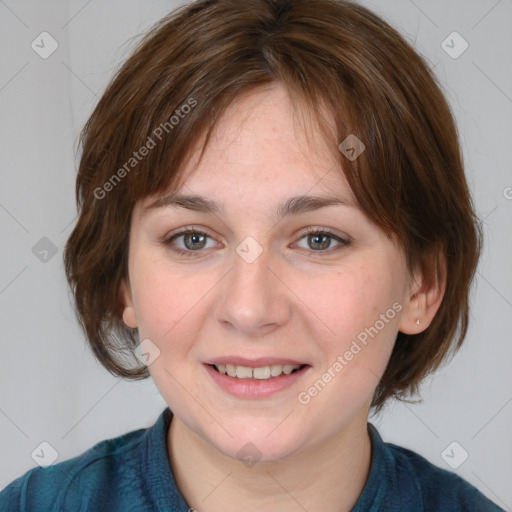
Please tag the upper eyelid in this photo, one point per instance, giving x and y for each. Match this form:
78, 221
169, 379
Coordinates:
310, 230
301, 232
186, 231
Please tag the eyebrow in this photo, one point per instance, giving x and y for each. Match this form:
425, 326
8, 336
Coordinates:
295, 205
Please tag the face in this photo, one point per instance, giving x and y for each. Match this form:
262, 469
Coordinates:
259, 282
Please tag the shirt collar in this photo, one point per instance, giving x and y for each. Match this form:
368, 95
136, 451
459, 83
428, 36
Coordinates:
158, 479
385, 487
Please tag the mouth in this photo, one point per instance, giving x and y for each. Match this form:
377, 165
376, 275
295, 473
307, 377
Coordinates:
267, 372
255, 378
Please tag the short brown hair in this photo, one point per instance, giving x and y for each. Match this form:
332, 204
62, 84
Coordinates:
332, 54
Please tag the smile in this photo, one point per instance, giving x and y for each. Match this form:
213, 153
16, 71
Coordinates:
259, 373
264, 378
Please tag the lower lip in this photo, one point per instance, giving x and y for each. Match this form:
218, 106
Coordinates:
254, 388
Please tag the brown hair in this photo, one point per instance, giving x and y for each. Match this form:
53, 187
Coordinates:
332, 56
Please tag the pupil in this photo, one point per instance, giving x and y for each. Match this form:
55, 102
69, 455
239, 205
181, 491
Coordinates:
316, 239
194, 239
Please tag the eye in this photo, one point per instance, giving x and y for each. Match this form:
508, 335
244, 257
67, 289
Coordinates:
192, 240
319, 240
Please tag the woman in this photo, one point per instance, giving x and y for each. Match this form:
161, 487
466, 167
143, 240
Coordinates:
275, 226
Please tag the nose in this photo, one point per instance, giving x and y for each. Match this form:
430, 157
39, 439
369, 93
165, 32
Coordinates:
254, 301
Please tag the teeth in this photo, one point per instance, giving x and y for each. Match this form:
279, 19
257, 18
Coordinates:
243, 372
287, 369
260, 373
276, 370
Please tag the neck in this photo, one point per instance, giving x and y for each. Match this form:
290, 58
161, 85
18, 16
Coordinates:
330, 476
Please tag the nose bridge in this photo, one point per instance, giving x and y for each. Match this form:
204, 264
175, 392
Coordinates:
253, 299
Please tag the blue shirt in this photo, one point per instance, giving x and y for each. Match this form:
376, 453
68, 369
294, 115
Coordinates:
131, 473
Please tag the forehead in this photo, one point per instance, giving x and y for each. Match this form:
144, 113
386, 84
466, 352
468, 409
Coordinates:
259, 150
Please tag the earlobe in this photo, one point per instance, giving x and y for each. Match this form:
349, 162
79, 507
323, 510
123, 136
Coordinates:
129, 317
421, 308
128, 312
413, 319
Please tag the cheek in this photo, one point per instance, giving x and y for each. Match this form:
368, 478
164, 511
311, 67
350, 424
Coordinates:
164, 299
170, 311
358, 316
347, 303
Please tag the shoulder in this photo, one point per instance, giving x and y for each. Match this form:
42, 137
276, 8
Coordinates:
441, 490
91, 476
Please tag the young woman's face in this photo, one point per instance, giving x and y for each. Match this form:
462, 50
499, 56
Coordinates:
262, 285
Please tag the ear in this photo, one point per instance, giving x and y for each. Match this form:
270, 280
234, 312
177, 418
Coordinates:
128, 312
424, 298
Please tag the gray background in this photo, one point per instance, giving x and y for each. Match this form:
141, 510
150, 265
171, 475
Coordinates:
51, 388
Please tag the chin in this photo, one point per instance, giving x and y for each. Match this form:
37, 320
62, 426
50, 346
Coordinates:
259, 443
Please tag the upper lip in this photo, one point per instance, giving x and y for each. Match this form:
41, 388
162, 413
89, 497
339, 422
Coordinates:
254, 363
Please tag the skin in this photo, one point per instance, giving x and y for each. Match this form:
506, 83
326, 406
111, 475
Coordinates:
293, 302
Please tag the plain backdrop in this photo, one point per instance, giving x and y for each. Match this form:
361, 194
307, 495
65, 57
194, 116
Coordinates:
51, 388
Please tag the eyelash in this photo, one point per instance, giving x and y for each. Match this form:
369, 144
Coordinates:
302, 234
